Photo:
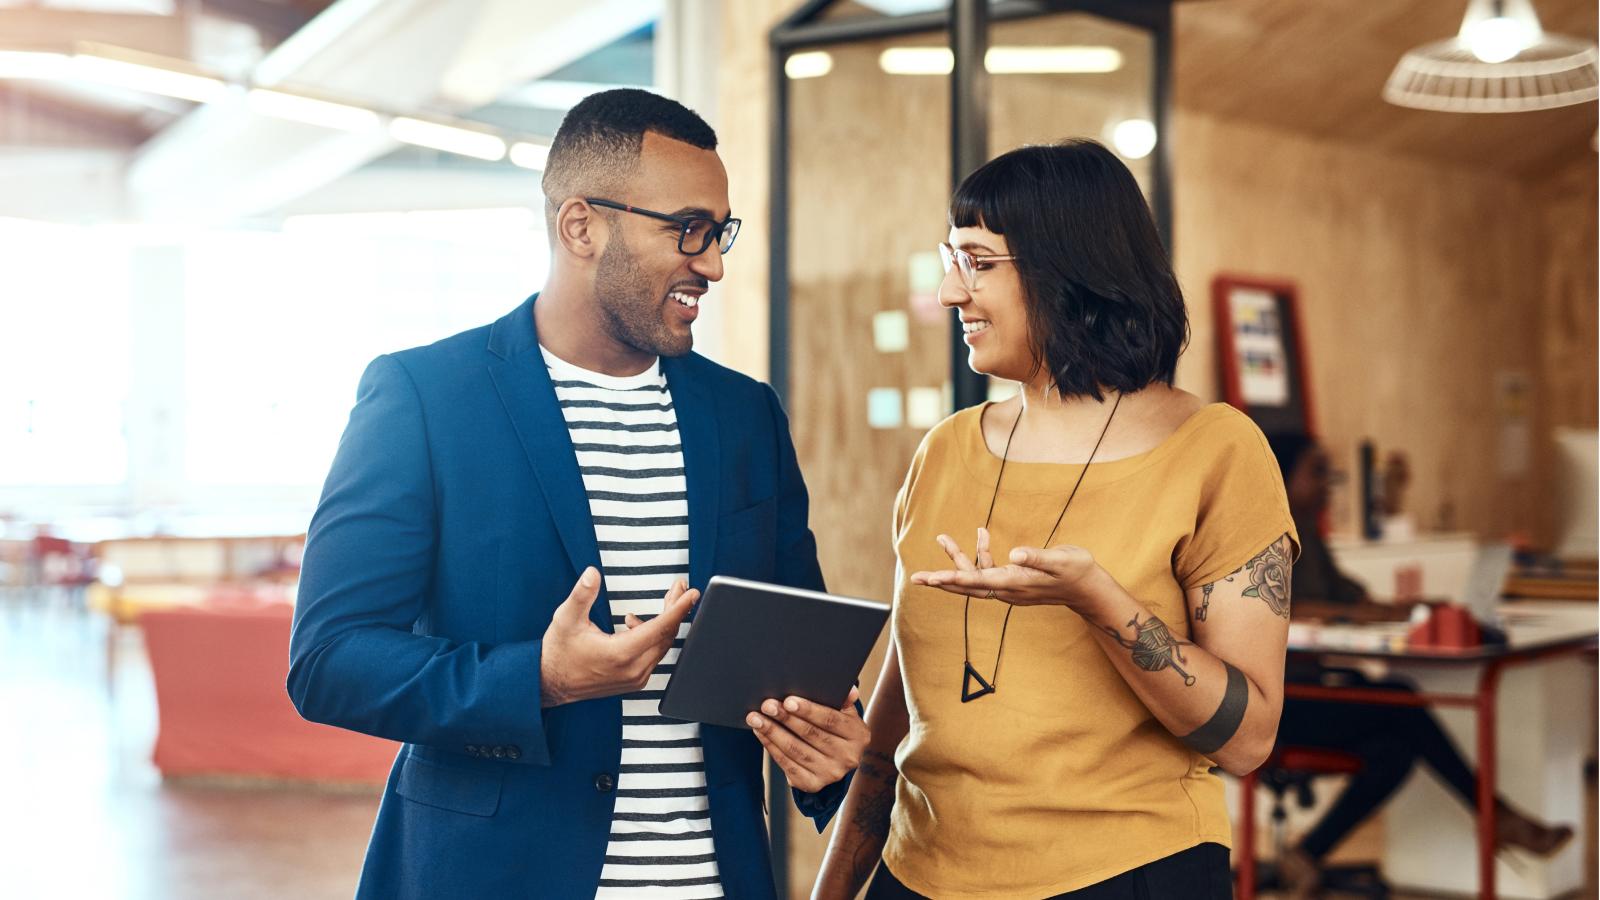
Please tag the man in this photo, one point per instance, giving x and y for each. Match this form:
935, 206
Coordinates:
499, 571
